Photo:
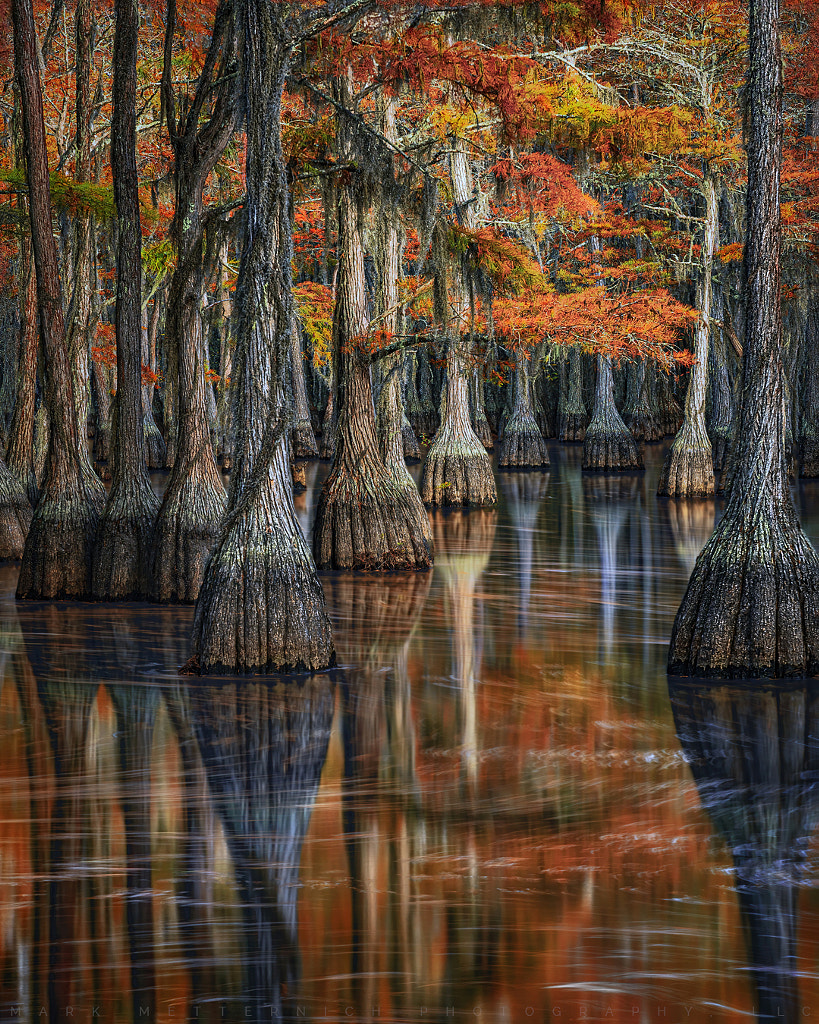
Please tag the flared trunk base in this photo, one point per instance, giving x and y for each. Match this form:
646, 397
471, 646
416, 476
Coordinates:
155, 454
522, 446
751, 609
186, 532
688, 472
371, 527
261, 606
304, 441
458, 473
572, 426
610, 451
124, 546
59, 548
409, 442
644, 427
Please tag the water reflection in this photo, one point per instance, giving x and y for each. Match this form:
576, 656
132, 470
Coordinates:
754, 754
488, 808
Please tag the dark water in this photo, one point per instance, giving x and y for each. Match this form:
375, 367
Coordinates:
498, 810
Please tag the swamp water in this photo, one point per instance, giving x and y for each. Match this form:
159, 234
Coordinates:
498, 809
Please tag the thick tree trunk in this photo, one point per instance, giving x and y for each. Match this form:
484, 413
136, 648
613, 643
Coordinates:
458, 470
608, 444
366, 519
522, 443
688, 471
752, 604
572, 418
56, 559
122, 555
638, 414
261, 607
20, 452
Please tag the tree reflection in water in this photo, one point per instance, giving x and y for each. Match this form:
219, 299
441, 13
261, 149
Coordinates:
263, 746
754, 754
524, 494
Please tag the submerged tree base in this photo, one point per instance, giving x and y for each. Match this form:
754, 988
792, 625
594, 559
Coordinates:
372, 527
261, 606
59, 547
688, 471
644, 427
187, 529
610, 451
458, 473
122, 553
752, 605
522, 446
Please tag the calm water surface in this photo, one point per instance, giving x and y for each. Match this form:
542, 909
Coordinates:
498, 809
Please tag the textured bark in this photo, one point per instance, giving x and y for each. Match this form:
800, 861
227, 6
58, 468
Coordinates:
124, 544
329, 423
669, 413
101, 390
721, 426
688, 471
261, 607
608, 444
522, 443
638, 414
56, 558
368, 516
480, 424
155, 454
15, 515
194, 502
752, 604
421, 410
457, 470
572, 418
810, 416
304, 443
20, 452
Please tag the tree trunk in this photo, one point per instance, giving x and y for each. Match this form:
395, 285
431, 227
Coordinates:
154, 453
122, 555
56, 559
669, 413
101, 390
458, 470
522, 443
810, 416
20, 453
638, 415
480, 424
261, 606
15, 515
752, 604
572, 418
303, 439
366, 518
194, 502
608, 444
688, 471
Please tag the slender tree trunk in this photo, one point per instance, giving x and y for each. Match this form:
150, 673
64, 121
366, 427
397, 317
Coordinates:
194, 501
810, 417
457, 470
154, 443
477, 410
688, 471
752, 604
669, 413
261, 606
365, 518
572, 417
608, 444
20, 452
721, 426
522, 443
56, 560
303, 439
122, 555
